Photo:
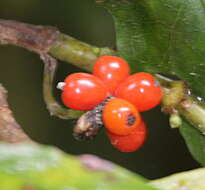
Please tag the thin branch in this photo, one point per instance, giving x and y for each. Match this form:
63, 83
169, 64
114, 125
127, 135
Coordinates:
53, 106
178, 99
78, 53
38, 39
10, 130
193, 111
35, 38
48, 40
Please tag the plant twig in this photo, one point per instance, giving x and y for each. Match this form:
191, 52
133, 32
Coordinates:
35, 38
194, 112
10, 130
78, 53
48, 40
53, 106
183, 102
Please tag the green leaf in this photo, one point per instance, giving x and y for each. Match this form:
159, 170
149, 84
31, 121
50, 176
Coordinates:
191, 180
166, 36
31, 166
195, 141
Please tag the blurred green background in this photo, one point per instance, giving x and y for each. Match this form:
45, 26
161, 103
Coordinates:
21, 73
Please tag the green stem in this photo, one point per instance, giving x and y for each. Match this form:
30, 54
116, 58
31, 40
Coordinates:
183, 102
173, 94
48, 40
76, 52
53, 106
194, 112
84, 55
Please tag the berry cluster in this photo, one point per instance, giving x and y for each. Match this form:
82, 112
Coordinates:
129, 95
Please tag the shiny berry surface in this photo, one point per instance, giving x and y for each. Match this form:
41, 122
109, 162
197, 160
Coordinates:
141, 90
111, 70
83, 91
120, 117
131, 142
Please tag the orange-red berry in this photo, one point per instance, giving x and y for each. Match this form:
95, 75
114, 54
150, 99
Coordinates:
120, 117
131, 142
141, 90
111, 70
83, 91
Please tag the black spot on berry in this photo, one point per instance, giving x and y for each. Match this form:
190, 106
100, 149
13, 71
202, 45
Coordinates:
131, 119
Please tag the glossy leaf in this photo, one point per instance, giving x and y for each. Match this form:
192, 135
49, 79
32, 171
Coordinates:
165, 36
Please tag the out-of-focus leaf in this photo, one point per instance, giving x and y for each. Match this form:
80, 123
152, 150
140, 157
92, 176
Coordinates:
36, 167
191, 180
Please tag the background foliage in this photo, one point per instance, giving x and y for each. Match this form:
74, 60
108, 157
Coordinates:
21, 73
30, 166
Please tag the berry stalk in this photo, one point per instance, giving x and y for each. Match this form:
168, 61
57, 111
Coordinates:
50, 66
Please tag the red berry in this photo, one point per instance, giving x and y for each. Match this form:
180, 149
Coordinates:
131, 142
111, 70
141, 90
83, 91
120, 117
